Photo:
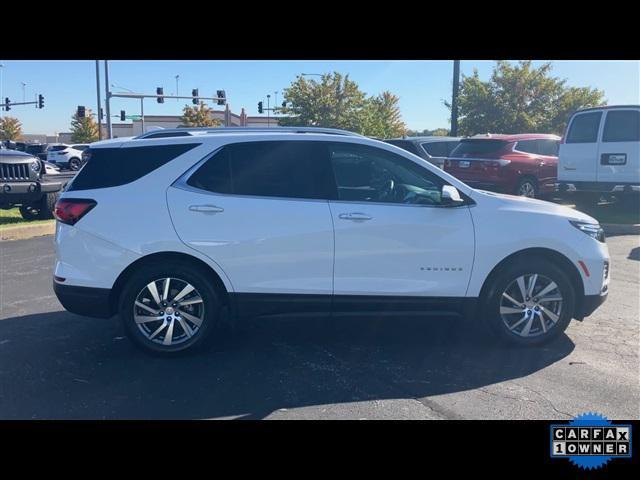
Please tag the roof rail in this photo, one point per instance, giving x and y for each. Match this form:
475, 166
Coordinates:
186, 131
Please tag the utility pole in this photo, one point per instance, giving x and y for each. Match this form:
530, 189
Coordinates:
24, 98
454, 98
108, 99
177, 94
99, 103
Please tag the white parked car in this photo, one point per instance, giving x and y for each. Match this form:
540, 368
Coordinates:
67, 156
600, 152
174, 228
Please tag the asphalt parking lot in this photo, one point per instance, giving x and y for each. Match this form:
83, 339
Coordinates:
55, 364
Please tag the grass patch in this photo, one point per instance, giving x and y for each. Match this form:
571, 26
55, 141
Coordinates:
12, 218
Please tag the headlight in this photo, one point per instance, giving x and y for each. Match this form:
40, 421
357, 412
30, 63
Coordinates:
35, 166
591, 229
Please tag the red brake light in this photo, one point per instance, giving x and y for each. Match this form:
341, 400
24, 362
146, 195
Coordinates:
71, 210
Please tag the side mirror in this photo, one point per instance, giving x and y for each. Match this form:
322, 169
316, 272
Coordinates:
451, 196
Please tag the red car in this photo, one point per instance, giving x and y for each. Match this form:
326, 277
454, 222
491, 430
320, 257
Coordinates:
524, 164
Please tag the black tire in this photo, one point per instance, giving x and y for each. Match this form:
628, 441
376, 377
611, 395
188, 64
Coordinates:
586, 200
29, 212
47, 205
493, 321
175, 270
75, 164
527, 187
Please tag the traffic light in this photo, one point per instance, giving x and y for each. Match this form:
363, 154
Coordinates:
7, 104
259, 107
40, 101
122, 116
222, 97
81, 111
194, 94
160, 92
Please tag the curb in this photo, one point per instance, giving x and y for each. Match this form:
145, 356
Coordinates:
23, 232
621, 229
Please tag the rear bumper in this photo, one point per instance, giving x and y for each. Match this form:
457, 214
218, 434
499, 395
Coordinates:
590, 304
87, 301
597, 187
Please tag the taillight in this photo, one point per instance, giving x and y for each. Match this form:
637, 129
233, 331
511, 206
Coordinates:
71, 210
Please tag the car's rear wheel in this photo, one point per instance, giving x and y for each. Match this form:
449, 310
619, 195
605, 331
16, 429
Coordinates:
48, 205
170, 308
530, 302
75, 164
527, 187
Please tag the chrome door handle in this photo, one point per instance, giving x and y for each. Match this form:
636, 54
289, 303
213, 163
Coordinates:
354, 216
206, 208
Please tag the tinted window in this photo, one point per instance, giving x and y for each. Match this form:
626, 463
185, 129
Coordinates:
622, 126
528, 146
214, 175
368, 174
80, 147
57, 148
405, 144
549, 147
478, 147
110, 167
451, 146
296, 169
436, 149
584, 128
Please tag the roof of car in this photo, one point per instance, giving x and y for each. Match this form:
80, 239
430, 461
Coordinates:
607, 107
427, 138
513, 137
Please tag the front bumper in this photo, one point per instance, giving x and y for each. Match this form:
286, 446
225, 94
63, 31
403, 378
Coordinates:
20, 193
87, 301
590, 304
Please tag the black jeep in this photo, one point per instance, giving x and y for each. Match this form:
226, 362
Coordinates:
25, 184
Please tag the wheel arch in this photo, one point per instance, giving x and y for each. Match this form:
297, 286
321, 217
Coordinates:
548, 254
185, 258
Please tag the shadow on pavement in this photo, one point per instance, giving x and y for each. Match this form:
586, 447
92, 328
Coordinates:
634, 254
59, 365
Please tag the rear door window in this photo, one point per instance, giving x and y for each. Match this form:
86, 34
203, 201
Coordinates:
436, 149
284, 169
111, 167
622, 126
584, 128
528, 146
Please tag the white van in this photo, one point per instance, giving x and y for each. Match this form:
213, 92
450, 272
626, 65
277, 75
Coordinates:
600, 152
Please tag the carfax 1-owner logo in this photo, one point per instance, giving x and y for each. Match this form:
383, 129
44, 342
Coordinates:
590, 441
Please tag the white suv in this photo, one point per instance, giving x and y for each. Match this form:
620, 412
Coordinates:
67, 156
178, 229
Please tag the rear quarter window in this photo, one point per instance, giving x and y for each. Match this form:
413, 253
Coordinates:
112, 167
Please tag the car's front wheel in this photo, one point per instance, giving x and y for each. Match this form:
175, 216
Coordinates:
170, 308
527, 187
530, 302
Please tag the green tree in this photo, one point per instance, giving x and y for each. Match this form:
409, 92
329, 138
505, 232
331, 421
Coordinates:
199, 116
336, 101
519, 98
84, 130
10, 128
381, 117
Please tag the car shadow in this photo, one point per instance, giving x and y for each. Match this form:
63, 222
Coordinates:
61, 366
634, 254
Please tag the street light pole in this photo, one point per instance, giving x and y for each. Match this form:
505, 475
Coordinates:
454, 98
108, 100
98, 96
268, 111
177, 92
24, 98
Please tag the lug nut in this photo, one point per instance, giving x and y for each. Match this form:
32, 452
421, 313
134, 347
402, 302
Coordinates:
161, 313
169, 318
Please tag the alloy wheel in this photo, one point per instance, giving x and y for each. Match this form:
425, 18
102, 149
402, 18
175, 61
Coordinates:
531, 305
169, 311
527, 190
